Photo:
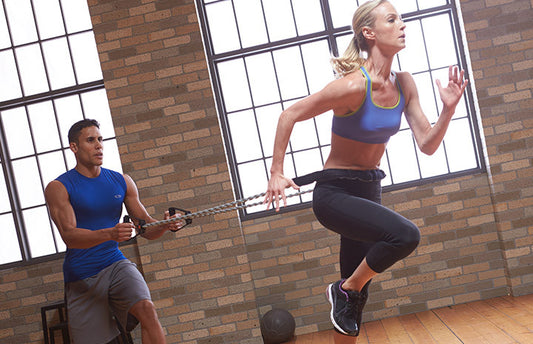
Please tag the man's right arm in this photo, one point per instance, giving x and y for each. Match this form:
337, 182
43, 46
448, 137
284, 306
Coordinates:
62, 214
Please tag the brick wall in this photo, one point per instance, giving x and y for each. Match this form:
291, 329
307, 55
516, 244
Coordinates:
500, 37
211, 281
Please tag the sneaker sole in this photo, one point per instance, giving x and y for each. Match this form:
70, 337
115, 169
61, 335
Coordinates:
329, 293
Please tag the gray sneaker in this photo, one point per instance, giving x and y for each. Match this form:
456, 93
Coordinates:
346, 308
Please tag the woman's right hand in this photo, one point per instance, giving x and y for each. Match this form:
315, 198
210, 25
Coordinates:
276, 190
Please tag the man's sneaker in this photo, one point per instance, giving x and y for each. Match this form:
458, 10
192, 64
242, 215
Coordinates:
346, 308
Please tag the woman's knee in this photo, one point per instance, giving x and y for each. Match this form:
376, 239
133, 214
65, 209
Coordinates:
410, 237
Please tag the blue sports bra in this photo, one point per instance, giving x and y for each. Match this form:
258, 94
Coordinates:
370, 123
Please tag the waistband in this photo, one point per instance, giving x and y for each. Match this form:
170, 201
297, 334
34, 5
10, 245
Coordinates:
334, 173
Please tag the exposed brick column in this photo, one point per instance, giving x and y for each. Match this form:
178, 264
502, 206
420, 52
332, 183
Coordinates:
169, 139
500, 36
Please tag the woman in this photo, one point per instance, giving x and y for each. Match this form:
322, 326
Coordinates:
367, 100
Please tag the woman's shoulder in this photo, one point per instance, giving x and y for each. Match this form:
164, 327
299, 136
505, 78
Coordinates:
404, 76
352, 82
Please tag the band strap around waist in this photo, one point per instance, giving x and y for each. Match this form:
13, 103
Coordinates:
332, 174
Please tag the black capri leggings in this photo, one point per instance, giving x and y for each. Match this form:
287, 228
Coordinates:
348, 203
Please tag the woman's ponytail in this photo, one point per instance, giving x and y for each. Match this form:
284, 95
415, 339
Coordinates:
353, 58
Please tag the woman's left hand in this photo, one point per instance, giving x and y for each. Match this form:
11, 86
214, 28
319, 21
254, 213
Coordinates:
452, 93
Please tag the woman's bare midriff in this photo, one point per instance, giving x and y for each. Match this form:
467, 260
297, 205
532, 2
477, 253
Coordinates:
354, 155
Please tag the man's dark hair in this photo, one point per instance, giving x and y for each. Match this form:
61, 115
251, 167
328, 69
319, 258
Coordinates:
75, 130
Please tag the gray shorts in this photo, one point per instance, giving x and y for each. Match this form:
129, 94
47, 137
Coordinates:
93, 301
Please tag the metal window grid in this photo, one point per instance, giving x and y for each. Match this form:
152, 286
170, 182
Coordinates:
330, 33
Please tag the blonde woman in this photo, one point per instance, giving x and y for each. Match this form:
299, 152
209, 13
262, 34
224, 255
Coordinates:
367, 100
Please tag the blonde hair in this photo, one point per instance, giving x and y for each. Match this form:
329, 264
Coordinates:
352, 60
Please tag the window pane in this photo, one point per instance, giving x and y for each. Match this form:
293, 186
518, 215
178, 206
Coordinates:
426, 96
61, 247
413, 57
21, 21
290, 73
308, 15
244, 136
4, 33
316, 57
343, 42
308, 161
253, 175
460, 146
222, 27
51, 165
253, 178
44, 128
280, 21
68, 112
28, 182
31, 68
267, 120
76, 14
405, 6
39, 232
17, 133
439, 40
96, 106
431, 3
71, 160
85, 56
433, 165
342, 12
10, 251
234, 85
4, 199
323, 126
49, 19
303, 135
9, 82
252, 27
111, 157
262, 79
58, 63
402, 158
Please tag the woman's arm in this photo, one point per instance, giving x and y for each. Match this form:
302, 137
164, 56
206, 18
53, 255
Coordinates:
342, 96
428, 138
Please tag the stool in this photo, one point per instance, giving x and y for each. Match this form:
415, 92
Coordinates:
124, 337
49, 330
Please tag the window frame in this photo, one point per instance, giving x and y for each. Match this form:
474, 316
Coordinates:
330, 34
24, 101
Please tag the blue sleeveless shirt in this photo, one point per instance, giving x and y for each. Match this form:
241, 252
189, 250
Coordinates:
370, 123
97, 204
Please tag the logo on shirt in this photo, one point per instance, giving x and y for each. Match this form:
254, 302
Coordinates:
118, 196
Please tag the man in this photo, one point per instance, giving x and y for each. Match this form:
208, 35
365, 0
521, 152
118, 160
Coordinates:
85, 203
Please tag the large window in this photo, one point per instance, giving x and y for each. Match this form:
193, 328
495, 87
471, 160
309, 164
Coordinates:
264, 55
50, 77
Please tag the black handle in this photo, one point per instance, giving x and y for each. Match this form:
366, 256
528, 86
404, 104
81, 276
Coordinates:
172, 211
